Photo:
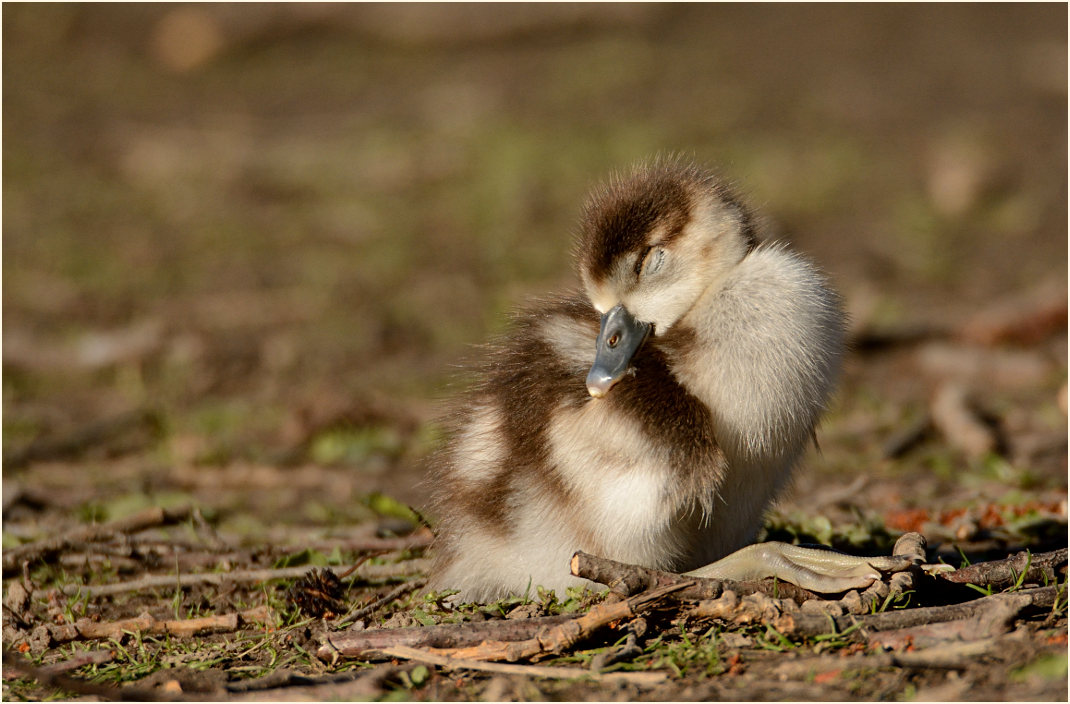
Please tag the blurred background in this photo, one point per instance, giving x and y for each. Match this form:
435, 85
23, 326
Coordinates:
246, 247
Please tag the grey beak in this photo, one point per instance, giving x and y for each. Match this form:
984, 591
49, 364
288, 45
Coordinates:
619, 339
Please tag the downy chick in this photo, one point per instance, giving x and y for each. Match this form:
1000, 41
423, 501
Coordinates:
653, 417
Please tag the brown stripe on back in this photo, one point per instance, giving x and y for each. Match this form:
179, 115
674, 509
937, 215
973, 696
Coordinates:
523, 377
487, 502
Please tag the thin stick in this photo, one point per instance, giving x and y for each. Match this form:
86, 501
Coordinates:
638, 678
352, 644
954, 415
1025, 319
147, 625
89, 657
368, 572
398, 591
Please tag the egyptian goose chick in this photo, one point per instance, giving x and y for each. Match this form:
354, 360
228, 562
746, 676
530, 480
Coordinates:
653, 418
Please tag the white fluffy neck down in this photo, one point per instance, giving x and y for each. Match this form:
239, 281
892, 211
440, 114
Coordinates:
767, 355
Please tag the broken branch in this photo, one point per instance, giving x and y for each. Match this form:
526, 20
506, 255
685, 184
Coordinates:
1006, 572
89, 657
419, 539
955, 417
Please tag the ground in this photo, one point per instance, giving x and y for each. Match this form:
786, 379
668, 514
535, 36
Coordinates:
245, 250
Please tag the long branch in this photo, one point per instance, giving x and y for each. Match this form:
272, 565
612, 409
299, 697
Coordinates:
1004, 573
811, 624
148, 625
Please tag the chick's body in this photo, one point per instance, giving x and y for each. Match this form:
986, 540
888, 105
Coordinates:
671, 463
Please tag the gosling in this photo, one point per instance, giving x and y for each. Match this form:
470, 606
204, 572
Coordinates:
654, 417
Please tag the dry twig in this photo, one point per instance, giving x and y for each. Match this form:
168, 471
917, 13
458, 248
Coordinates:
496, 640
286, 677
1023, 320
638, 678
946, 656
1005, 573
810, 624
418, 539
906, 439
89, 657
371, 608
148, 625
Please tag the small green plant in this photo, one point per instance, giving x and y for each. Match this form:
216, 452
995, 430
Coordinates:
1020, 578
896, 600
986, 590
965, 560
687, 654
832, 641
775, 640
1058, 607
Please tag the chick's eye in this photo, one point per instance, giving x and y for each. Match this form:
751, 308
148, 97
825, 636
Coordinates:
653, 260
640, 261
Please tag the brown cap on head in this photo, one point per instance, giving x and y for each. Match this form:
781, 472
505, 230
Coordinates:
621, 216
